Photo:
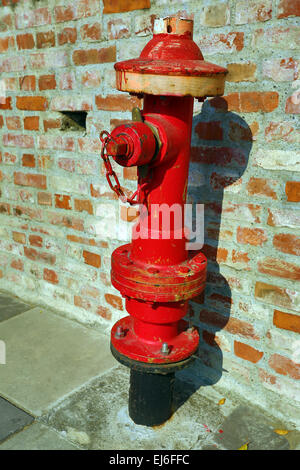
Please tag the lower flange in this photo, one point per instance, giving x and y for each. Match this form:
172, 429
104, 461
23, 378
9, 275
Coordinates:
130, 345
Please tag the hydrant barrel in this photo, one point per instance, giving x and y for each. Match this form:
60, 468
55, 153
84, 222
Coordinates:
155, 273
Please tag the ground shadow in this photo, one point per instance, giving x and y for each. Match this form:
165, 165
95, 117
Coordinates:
221, 144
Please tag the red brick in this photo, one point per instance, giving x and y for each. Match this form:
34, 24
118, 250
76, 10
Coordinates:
219, 181
252, 12
261, 187
94, 56
10, 83
215, 253
288, 8
241, 258
239, 133
276, 38
47, 82
28, 160
32, 18
67, 164
62, 202
292, 105
251, 236
284, 131
6, 43
222, 156
241, 72
65, 221
81, 240
52, 124
67, 36
292, 191
56, 143
230, 324
273, 294
117, 102
91, 78
114, 301
44, 199
5, 103
35, 255
90, 291
119, 6
221, 43
4, 208
286, 321
104, 312
287, 243
285, 366
279, 268
280, 70
209, 130
247, 352
19, 237
31, 123
83, 205
28, 212
118, 29
6, 22
50, 276
33, 180
25, 41
45, 39
35, 240
64, 13
27, 83
91, 32
13, 123
92, 259
9, 158
32, 103
82, 303
17, 264
252, 101
45, 162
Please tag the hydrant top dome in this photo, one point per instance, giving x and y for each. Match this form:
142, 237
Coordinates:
171, 64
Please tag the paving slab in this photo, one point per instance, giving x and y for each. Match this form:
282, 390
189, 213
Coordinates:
37, 437
249, 425
47, 357
96, 417
12, 419
11, 306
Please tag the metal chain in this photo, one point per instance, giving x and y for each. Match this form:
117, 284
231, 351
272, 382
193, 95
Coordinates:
110, 172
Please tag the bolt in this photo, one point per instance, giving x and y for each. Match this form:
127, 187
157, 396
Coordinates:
119, 332
165, 349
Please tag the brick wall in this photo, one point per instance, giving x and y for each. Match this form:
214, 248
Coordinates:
56, 208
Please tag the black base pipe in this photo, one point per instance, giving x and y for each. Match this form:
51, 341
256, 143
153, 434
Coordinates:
150, 397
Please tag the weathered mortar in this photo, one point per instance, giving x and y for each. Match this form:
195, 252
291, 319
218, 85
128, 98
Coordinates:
56, 208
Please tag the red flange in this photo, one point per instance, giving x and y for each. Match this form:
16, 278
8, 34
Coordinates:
169, 283
180, 347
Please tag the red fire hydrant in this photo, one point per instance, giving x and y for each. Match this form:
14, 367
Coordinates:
155, 272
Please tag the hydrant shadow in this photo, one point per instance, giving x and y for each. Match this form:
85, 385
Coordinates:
221, 144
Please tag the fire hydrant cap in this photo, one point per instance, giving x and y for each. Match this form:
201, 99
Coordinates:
171, 64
